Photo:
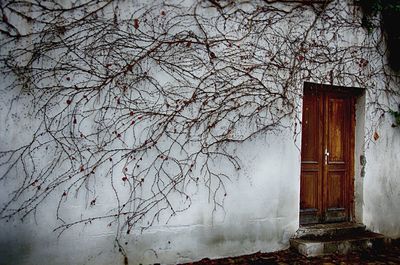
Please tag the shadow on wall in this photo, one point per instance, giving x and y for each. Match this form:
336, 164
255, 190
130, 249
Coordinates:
16, 247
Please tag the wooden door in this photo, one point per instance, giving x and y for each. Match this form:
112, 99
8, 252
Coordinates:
326, 191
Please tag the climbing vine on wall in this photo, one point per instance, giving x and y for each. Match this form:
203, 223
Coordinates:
387, 14
149, 99
396, 115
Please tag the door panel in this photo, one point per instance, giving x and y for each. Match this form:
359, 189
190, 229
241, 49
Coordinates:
325, 191
310, 194
336, 129
311, 127
335, 192
311, 166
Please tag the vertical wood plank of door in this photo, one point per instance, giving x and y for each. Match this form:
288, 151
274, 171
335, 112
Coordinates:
311, 158
337, 137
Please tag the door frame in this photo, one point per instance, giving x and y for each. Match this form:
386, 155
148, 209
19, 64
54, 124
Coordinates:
355, 94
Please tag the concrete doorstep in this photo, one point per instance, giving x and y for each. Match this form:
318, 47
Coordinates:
390, 255
336, 238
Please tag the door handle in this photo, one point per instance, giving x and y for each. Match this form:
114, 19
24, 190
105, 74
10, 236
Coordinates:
326, 154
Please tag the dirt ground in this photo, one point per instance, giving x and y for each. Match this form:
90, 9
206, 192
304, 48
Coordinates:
387, 255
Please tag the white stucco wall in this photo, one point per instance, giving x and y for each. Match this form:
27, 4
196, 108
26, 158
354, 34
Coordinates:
381, 209
260, 211
260, 214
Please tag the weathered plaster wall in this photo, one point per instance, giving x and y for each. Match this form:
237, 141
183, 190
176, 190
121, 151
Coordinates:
381, 211
260, 214
359, 158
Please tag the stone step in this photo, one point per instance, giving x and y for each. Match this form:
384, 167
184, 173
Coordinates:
318, 240
329, 229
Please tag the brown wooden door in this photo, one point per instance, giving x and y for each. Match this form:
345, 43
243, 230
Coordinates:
326, 156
